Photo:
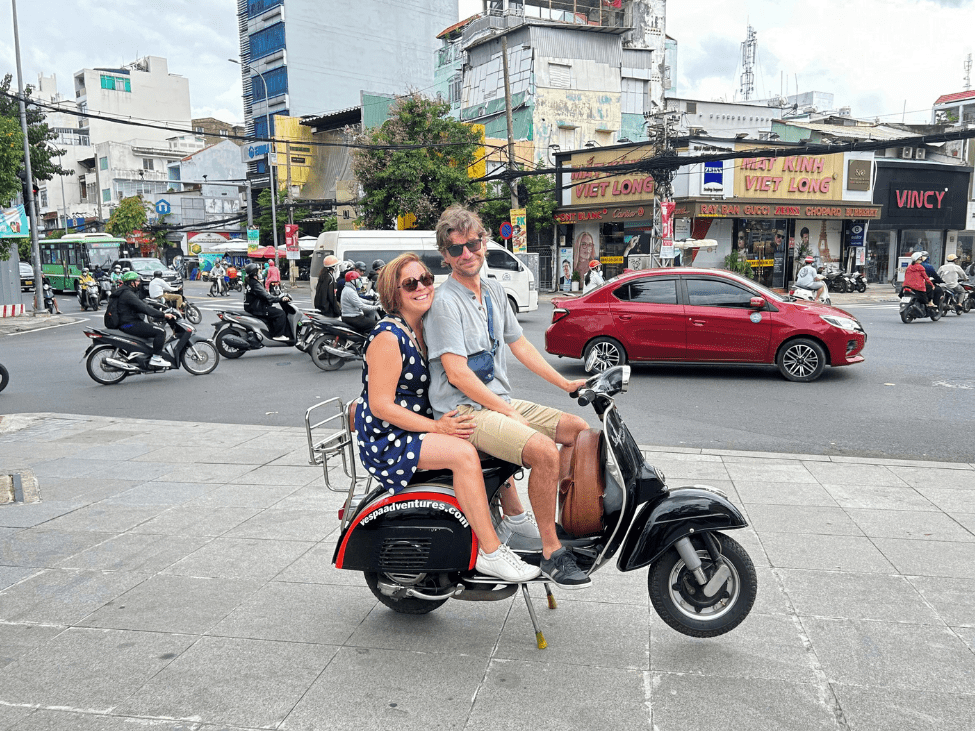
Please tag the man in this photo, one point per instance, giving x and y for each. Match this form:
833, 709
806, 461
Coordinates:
130, 311
159, 287
935, 277
951, 273
809, 278
217, 273
258, 303
458, 330
357, 312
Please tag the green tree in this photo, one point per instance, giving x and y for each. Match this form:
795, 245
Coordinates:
128, 217
42, 164
422, 181
540, 208
11, 159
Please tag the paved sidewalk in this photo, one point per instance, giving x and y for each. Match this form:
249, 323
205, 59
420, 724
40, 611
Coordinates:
177, 576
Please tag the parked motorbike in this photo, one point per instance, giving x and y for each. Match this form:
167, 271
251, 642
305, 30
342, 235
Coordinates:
912, 308
969, 299
859, 281
47, 291
834, 279
237, 332
332, 343
801, 293
89, 296
113, 354
416, 550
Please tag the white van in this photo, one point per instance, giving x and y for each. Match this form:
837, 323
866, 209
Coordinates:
367, 246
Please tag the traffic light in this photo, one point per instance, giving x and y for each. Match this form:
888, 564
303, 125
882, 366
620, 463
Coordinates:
22, 174
522, 195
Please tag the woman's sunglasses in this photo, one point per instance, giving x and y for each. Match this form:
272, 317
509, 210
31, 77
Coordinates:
472, 246
411, 284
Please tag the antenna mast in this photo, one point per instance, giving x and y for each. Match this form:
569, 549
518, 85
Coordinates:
968, 72
748, 64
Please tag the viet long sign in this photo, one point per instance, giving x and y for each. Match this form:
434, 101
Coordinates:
801, 177
594, 187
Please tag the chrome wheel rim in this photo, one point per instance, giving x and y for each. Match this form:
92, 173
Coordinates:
602, 356
680, 578
800, 361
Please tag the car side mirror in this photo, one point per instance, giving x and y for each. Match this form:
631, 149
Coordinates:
757, 303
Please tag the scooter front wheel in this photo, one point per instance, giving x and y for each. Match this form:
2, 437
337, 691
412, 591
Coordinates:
200, 358
407, 605
680, 601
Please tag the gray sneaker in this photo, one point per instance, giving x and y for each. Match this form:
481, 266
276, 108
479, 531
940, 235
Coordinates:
561, 568
522, 536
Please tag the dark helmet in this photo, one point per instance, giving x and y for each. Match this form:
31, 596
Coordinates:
360, 265
378, 264
157, 273
252, 269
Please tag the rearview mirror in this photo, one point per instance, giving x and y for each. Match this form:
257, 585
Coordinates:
757, 303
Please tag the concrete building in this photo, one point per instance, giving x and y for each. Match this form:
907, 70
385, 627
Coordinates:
216, 130
318, 58
581, 71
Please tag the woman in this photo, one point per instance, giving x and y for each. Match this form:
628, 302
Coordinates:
325, 300
917, 280
585, 252
394, 430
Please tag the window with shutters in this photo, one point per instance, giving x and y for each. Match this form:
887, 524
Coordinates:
634, 97
560, 75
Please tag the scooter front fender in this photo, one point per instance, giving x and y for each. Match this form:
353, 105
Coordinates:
682, 512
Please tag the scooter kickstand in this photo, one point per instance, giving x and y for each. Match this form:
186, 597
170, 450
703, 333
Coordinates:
552, 604
539, 637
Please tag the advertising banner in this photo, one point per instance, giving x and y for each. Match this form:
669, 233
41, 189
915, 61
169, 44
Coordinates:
667, 234
519, 230
597, 187
565, 269
253, 239
291, 241
14, 223
793, 177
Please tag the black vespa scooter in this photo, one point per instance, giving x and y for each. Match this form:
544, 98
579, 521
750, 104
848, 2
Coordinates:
237, 332
416, 549
113, 355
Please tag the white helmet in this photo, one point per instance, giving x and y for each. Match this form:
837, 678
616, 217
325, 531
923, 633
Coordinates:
917, 256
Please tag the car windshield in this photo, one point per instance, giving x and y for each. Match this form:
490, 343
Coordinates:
26, 268
147, 266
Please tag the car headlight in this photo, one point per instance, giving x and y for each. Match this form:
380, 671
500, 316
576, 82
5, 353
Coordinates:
843, 323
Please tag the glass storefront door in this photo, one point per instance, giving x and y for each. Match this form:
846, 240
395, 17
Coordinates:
912, 240
964, 250
877, 269
758, 238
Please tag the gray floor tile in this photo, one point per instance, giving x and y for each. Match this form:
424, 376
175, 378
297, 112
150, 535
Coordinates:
72, 467
802, 519
832, 553
10, 575
28, 515
296, 476
965, 519
240, 558
763, 646
92, 669
690, 469
878, 497
610, 586
234, 681
783, 493
173, 604
330, 614
933, 477
890, 655
929, 558
75, 721
216, 474
287, 525
315, 567
856, 596
140, 553
83, 489
39, 547
161, 493
952, 599
877, 709
614, 698
59, 596
243, 496
770, 472
11, 716
16, 639
854, 474
313, 497
393, 689
195, 520
967, 634
949, 499
747, 704
104, 518
121, 452
912, 524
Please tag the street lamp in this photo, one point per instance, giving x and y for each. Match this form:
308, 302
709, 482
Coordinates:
270, 167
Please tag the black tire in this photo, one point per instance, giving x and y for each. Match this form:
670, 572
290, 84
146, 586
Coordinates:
906, 317
403, 606
193, 314
514, 305
228, 351
967, 305
801, 360
101, 372
671, 589
935, 313
861, 286
200, 358
324, 360
4, 378
603, 353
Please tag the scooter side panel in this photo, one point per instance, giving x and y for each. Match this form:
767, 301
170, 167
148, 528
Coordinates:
660, 524
410, 532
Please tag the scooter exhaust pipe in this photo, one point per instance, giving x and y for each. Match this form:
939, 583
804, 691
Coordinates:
122, 365
235, 342
338, 352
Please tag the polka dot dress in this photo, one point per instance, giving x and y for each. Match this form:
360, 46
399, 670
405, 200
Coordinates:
389, 453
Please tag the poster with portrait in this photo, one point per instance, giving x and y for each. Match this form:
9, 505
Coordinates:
565, 269
585, 248
821, 238
519, 230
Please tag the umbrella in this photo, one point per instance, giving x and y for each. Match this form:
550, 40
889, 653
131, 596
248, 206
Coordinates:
265, 252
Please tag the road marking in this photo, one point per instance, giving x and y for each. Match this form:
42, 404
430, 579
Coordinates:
49, 327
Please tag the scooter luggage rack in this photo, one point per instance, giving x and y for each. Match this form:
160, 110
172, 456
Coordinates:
339, 443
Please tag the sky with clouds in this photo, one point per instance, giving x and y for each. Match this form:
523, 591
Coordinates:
878, 57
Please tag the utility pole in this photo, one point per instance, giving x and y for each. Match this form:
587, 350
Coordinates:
29, 188
507, 113
250, 204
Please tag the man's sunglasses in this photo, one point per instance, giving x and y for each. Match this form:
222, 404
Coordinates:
472, 246
411, 284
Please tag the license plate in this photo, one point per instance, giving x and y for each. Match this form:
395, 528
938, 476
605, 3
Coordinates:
28, 282
905, 300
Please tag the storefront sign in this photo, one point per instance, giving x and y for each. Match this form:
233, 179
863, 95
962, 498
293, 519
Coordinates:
920, 196
291, 241
713, 177
600, 187
621, 213
783, 210
14, 223
858, 233
818, 177
858, 174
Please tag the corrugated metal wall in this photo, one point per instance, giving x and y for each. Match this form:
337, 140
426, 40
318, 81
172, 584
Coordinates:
558, 43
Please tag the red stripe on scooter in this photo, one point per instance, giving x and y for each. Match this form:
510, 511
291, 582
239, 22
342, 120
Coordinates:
401, 497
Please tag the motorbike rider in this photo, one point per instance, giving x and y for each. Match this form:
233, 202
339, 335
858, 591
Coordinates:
917, 280
272, 277
471, 324
808, 278
116, 276
217, 273
951, 274
325, 300
85, 279
258, 302
594, 277
130, 311
377, 267
357, 312
160, 288
48, 292
935, 278
344, 268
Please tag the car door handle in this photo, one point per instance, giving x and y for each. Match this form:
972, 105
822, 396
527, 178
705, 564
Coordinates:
626, 317
698, 322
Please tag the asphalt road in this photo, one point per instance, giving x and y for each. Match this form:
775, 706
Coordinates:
913, 398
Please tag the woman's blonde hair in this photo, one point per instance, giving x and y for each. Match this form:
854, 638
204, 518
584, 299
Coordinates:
387, 285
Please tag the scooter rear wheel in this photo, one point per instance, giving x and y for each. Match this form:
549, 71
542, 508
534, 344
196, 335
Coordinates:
321, 357
100, 371
678, 598
228, 351
407, 605
4, 378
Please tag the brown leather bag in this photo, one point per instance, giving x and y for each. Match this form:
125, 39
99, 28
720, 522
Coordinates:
581, 485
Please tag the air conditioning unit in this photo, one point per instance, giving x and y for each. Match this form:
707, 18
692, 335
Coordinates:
907, 152
919, 155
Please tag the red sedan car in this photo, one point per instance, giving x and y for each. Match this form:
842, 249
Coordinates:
702, 316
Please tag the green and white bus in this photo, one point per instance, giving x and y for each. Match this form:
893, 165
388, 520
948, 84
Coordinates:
63, 259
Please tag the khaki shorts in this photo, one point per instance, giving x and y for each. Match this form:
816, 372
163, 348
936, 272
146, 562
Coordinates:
505, 438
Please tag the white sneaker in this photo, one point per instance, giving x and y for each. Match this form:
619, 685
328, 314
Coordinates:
522, 535
158, 362
504, 564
